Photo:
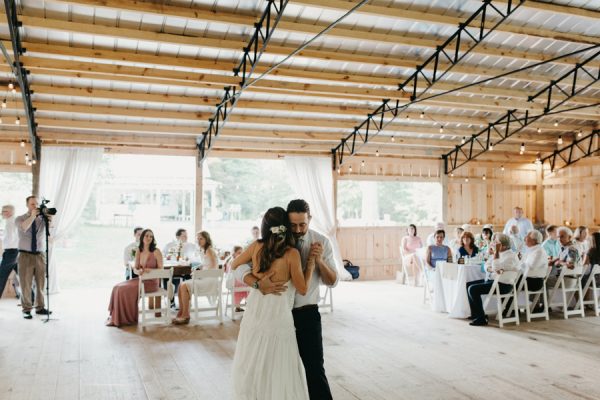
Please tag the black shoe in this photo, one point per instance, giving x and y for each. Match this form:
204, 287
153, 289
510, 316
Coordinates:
27, 314
479, 322
470, 317
43, 311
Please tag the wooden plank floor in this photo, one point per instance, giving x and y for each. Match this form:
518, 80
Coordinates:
380, 343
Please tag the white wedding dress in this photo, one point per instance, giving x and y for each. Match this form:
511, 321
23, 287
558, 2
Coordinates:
267, 364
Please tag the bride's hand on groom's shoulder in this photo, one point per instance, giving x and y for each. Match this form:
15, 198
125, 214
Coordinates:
267, 286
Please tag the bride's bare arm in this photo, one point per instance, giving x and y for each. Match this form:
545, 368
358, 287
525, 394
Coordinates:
300, 279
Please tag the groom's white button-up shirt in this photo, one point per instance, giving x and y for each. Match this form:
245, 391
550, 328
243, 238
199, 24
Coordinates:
312, 295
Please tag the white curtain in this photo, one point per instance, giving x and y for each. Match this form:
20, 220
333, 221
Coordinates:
67, 177
312, 179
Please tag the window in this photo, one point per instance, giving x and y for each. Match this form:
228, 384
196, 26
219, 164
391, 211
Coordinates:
16, 186
388, 203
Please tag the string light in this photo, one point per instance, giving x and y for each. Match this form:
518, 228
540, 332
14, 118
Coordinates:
451, 174
580, 133
560, 141
442, 129
13, 90
339, 171
18, 121
0, 120
26, 157
522, 148
539, 130
491, 146
502, 168
33, 161
22, 143
555, 123
463, 140
466, 180
4, 103
484, 178
11, 86
422, 114
376, 153
362, 164
393, 139
350, 168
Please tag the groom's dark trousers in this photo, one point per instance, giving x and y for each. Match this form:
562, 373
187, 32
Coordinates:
310, 344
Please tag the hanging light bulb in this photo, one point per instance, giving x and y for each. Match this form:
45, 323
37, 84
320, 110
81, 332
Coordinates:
522, 148
451, 174
0, 120
22, 143
555, 123
29, 163
362, 164
580, 134
393, 140
466, 180
560, 141
4, 103
11, 86
539, 130
33, 161
442, 129
18, 121
376, 153
350, 168
339, 170
13, 90
463, 140
483, 177
422, 115
491, 146
26, 157
502, 168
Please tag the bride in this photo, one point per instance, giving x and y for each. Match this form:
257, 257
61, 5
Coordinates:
267, 364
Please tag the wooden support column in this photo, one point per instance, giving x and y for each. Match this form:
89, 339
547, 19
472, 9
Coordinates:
198, 197
35, 169
444, 182
539, 194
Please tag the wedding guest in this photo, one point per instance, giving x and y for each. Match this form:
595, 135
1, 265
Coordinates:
238, 297
180, 246
568, 257
254, 236
10, 246
440, 226
408, 247
581, 239
437, 252
484, 240
503, 260
551, 244
534, 263
516, 242
524, 225
455, 243
130, 250
593, 257
209, 261
123, 307
468, 248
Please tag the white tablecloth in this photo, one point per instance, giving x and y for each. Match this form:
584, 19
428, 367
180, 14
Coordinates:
450, 288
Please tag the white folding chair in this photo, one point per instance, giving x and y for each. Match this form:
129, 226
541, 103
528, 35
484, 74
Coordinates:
164, 294
231, 290
501, 299
402, 277
427, 284
590, 286
531, 305
573, 277
207, 283
326, 298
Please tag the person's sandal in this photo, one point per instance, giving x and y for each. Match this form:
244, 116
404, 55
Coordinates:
180, 321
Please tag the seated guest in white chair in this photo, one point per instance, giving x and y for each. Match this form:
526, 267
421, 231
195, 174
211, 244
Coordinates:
534, 263
568, 257
503, 260
592, 258
408, 249
209, 261
484, 240
180, 246
551, 244
581, 239
456, 243
238, 297
437, 252
468, 248
129, 252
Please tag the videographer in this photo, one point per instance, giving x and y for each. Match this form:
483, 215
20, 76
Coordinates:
32, 257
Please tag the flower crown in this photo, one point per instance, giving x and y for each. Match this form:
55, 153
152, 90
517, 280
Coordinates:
278, 230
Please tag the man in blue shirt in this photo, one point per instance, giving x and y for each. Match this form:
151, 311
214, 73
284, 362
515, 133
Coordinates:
551, 244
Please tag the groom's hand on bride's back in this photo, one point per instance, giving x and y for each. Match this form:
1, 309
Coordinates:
267, 286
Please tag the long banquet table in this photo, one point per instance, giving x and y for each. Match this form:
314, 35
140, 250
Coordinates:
450, 288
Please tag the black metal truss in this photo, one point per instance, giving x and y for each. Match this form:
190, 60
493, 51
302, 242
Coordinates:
20, 72
580, 148
263, 31
472, 31
514, 121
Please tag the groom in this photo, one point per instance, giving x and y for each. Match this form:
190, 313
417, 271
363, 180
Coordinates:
306, 311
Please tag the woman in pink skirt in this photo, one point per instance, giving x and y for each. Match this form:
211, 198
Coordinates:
123, 306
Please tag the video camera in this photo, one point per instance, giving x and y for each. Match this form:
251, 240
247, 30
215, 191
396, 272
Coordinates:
46, 210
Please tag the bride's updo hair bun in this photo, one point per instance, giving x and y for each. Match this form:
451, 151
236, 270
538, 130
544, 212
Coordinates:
276, 236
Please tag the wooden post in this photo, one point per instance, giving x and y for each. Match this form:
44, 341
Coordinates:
35, 169
198, 197
539, 194
444, 183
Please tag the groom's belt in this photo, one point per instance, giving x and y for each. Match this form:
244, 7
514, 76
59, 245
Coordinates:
306, 307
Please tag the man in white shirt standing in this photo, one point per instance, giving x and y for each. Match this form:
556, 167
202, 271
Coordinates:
503, 260
129, 252
306, 310
525, 226
10, 244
